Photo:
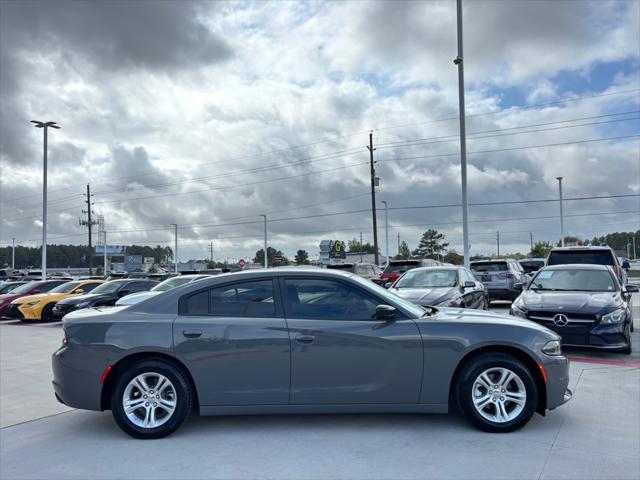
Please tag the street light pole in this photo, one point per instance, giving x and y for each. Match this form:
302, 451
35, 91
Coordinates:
13, 253
386, 232
463, 138
45, 126
266, 264
175, 253
561, 211
104, 270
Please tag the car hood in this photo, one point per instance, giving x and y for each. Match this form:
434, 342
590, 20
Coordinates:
134, 298
54, 297
589, 303
87, 297
9, 297
487, 317
426, 296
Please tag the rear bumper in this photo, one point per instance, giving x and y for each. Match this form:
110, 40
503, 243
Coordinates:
74, 386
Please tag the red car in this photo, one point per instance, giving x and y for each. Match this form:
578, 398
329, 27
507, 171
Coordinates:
31, 288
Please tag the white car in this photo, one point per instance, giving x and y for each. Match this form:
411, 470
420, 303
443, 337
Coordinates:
168, 284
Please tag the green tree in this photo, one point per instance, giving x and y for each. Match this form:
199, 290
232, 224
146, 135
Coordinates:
302, 257
271, 253
99, 271
152, 269
404, 252
431, 244
454, 257
356, 247
540, 250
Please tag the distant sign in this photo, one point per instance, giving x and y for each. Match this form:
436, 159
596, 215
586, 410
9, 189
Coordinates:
338, 250
133, 263
149, 260
111, 250
241, 263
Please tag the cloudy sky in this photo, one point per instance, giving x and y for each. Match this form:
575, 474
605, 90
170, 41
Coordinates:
207, 114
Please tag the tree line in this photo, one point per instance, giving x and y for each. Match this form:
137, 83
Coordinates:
63, 256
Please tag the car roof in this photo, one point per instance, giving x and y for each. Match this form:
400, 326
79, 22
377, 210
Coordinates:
437, 267
583, 247
531, 260
577, 266
492, 260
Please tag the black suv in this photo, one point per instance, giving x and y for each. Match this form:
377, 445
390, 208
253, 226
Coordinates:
601, 255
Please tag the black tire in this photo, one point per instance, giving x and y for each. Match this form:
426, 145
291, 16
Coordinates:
464, 391
183, 391
47, 313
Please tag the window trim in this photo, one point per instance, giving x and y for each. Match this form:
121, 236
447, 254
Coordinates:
400, 315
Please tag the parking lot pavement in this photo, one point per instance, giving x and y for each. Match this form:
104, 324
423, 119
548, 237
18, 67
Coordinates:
596, 435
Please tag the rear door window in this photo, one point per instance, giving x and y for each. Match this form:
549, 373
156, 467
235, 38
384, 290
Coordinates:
248, 299
580, 256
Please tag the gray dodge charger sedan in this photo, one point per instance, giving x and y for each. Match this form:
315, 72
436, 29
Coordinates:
303, 341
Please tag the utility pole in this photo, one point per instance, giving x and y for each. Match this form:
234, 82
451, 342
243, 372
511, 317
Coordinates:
386, 232
102, 240
398, 243
561, 212
45, 126
374, 181
13, 252
628, 250
175, 253
104, 269
266, 264
361, 247
89, 223
211, 251
498, 240
634, 247
531, 239
463, 138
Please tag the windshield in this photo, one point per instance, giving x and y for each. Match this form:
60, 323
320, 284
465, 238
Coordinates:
401, 267
25, 288
428, 279
390, 297
490, 267
9, 287
602, 257
108, 287
171, 283
65, 287
574, 280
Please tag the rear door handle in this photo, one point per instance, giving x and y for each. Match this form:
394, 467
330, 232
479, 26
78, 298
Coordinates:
192, 333
305, 339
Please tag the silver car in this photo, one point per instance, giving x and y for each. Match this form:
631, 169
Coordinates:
297, 340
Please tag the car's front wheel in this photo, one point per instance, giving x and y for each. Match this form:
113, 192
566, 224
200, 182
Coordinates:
151, 399
496, 393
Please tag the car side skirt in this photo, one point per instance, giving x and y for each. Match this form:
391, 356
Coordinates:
217, 410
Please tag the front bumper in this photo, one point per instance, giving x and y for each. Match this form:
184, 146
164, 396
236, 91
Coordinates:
498, 293
59, 311
557, 370
29, 313
612, 336
13, 312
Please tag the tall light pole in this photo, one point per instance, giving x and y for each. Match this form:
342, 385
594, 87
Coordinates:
463, 139
104, 270
374, 183
561, 211
13, 253
266, 264
175, 253
45, 126
386, 232
634, 247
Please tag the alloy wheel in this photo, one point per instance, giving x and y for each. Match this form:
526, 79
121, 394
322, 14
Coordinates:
149, 400
499, 395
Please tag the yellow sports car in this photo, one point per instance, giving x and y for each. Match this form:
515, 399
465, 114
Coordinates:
40, 306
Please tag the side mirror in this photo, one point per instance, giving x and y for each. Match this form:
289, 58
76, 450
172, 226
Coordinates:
388, 284
469, 284
626, 265
385, 312
79, 290
518, 286
632, 288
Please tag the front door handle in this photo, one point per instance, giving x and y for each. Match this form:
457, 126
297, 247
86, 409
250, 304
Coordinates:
305, 339
192, 333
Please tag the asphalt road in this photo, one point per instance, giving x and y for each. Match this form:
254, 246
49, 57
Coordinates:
596, 435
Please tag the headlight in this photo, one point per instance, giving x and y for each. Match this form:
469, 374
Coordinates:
31, 304
616, 316
552, 348
517, 311
82, 304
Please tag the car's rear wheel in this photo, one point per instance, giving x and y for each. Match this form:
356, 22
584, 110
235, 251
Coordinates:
151, 399
497, 393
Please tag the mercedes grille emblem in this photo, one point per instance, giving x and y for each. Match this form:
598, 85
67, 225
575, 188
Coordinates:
560, 320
